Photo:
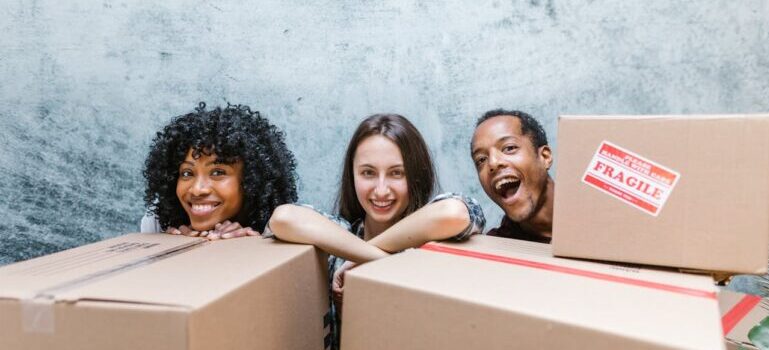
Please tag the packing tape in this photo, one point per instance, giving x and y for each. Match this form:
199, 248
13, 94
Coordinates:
571, 271
37, 313
738, 312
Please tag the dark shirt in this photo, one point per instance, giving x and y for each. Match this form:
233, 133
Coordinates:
510, 229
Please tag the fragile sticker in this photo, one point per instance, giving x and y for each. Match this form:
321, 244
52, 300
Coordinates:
633, 179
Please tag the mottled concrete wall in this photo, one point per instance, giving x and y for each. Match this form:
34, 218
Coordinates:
84, 84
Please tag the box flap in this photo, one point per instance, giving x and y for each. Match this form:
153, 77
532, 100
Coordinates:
195, 278
147, 269
85, 264
539, 252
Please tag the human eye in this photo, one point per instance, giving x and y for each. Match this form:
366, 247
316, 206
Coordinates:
186, 173
397, 173
479, 161
509, 148
367, 173
218, 172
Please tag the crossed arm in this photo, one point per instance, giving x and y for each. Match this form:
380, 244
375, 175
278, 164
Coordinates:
435, 221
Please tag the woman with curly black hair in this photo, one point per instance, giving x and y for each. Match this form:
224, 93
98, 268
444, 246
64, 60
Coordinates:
217, 173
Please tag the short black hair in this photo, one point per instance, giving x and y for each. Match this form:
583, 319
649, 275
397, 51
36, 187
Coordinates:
529, 125
233, 133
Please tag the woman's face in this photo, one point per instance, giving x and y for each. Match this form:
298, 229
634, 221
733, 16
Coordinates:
209, 192
380, 179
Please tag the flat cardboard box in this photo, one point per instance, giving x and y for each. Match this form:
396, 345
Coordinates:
739, 314
680, 191
160, 291
496, 293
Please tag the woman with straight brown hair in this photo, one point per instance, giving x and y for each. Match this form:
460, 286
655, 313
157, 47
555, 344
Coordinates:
383, 205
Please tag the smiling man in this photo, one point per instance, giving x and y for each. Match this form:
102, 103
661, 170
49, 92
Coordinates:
512, 157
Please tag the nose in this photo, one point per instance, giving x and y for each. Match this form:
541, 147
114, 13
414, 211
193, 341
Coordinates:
382, 187
201, 186
495, 161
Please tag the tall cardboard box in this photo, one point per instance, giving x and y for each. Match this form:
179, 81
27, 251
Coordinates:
495, 293
159, 291
682, 191
739, 314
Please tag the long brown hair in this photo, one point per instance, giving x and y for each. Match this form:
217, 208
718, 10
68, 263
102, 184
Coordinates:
420, 172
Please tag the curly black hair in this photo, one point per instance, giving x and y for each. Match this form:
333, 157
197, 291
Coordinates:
232, 133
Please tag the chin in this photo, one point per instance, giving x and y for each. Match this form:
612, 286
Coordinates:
201, 226
520, 215
382, 219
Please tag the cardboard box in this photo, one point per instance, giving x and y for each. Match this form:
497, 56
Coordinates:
739, 314
681, 191
497, 293
159, 291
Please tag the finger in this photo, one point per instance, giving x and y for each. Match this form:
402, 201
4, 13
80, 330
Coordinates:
229, 227
336, 289
235, 234
252, 232
204, 233
193, 233
183, 229
173, 231
214, 236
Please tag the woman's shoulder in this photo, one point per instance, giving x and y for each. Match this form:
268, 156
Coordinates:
474, 210
469, 201
149, 224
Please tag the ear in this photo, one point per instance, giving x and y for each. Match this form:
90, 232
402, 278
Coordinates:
546, 155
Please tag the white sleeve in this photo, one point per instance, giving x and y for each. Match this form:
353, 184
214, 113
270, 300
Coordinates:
150, 224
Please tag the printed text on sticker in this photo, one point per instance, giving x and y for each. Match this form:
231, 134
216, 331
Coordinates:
630, 178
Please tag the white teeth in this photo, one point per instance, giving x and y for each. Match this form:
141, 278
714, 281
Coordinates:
202, 208
505, 181
382, 203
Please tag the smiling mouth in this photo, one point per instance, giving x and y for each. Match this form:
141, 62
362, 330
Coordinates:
382, 205
202, 209
507, 187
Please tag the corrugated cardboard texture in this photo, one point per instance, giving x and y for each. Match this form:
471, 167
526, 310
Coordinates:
717, 217
245, 293
430, 300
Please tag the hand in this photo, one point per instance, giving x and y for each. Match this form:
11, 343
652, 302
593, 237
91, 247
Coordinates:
221, 230
227, 229
337, 284
183, 230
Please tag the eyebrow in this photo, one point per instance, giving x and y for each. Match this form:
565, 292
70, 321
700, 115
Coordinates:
371, 166
213, 162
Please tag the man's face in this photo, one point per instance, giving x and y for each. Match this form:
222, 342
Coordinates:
512, 172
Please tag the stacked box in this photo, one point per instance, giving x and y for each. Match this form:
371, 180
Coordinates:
496, 293
158, 291
681, 191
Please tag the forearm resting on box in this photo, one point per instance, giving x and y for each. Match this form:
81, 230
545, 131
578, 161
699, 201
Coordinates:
298, 224
433, 222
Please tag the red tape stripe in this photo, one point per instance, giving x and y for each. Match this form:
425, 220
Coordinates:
571, 271
738, 312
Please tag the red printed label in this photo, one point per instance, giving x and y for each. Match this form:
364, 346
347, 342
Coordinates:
630, 178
